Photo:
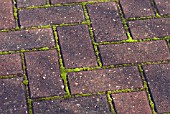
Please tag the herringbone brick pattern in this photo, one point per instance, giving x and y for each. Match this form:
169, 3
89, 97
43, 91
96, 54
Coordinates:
84, 57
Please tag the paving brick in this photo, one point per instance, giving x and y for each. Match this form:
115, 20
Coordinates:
27, 39
106, 23
10, 64
51, 15
134, 52
136, 8
82, 105
163, 7
67, 1
43, 73
6, 15
12, 98
131, 103
158, 77
25, 3
76, 46
150, 28
104, 80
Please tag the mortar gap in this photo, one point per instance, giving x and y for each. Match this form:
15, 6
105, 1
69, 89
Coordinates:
112, 105
143, 75
28, 92
154, 7
124, 20
57, 44
92, 35
48, 2
15, 10
68, 85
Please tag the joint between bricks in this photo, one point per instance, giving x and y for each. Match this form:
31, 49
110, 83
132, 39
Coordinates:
26, 83
95, 47
147, 90
63, 72
155, 9
124, 22
16, 15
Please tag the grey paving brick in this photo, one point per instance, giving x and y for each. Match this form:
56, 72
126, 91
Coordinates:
12, 96
136, 8
76, 46
67, 1
25, 3
6, 15
82, 105
106, 22
43, 73
10, 65
142, 29
104, 80
134, 52
27, 39
131, 103
163, 6
51, 15
158, 77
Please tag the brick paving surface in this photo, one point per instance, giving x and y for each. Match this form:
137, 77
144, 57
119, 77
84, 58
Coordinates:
84, 57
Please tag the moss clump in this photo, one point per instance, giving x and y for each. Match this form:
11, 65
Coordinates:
25, 82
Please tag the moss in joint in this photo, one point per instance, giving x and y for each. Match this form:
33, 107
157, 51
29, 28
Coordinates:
15, 14
145, 84
29, 102
8, 77
25, 82
126, 28
87, 17
110, 102
63, 72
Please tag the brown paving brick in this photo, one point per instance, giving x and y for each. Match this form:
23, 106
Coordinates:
106, 23
136, 8
12, 98
16, 40
82, 105
6, 15
25, 3
43, 73
67, 1
163, 6
134, 52
150, 28
52, 15
76, 46
10, 64
103, 80
158, 77
131, 103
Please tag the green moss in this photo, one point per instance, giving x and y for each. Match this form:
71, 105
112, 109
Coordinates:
15, 13
157, 15
47, 2
145, 84
63, 72
141, 18
44, 48
49, 98
87, 17
124, 21
29, 101
83, 95
110, 102
8, 77
25, 82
